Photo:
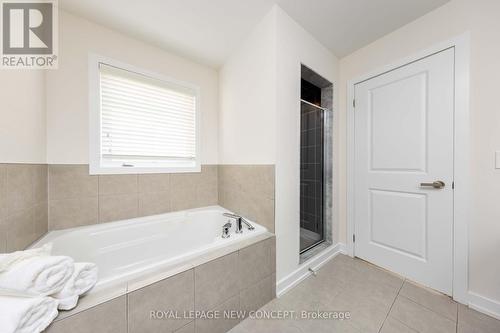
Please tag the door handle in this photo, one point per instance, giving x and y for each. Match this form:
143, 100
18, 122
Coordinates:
436, 184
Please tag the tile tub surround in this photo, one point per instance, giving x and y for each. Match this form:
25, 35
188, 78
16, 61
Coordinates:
23, 205
35, 198
223, 283
77, 198
249, 191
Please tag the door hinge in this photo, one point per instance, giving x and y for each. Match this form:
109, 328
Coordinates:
353, 238
353, 103
453, 185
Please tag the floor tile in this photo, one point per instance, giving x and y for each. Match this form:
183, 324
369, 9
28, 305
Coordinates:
430, 299
420, 318
392, 325
189, 328
471, 321
377, 300
266, 326
366, 315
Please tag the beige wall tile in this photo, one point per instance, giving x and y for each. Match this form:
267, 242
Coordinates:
222, 324
257, 295
117, 207
257, 180
3, 200
273, 285
209, 175
23, 204
272, 245
18, 188
255, 263
258, 209
3, 237
117, 184
216, 281
109, 317
159, 182
183, 191
207, 195
249, 191
40, 183
20, 230
152, 203
73, 212
192, 190
71, 181
175, 293
41, 219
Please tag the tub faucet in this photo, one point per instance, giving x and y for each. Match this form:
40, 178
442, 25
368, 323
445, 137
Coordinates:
225, 230
239, 222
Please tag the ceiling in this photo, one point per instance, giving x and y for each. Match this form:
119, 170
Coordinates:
208, 30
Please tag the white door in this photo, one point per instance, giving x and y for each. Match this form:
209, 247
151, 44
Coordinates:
403, 140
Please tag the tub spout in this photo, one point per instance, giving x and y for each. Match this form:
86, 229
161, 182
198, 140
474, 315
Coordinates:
239, 222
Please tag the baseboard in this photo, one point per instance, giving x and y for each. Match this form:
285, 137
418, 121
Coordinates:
294, 278
484, 305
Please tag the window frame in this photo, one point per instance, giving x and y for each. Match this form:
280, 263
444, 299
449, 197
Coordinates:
96, 166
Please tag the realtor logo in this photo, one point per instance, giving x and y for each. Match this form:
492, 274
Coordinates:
29, 34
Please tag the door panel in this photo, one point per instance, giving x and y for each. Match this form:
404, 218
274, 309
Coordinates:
404, 137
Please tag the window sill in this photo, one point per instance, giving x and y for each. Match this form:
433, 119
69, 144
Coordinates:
99, 170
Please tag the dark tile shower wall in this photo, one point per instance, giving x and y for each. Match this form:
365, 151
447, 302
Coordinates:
311, 168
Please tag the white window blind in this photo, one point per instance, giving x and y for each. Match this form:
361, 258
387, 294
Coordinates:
145, 121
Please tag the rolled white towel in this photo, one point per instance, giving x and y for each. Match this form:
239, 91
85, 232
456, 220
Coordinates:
26, 315
42, 275
83, 279
7, 260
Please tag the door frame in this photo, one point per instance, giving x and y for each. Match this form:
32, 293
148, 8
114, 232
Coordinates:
461, 158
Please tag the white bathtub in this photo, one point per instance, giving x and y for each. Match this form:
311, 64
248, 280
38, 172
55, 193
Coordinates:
126, 249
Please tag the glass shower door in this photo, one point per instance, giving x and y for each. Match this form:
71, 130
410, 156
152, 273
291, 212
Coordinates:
312, 154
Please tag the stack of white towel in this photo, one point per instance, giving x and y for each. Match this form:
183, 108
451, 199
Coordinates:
34, 285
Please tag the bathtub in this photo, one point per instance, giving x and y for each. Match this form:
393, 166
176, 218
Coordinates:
128, 249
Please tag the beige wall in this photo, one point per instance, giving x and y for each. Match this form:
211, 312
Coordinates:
295, 46
22, 116
247, 122
481, 18
67, 87
260, 115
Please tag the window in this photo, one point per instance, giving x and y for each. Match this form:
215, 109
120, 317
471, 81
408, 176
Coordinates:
141, 122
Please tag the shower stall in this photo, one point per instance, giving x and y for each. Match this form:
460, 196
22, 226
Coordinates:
315, 160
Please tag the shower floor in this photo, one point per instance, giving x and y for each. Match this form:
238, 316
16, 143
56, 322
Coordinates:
308, 238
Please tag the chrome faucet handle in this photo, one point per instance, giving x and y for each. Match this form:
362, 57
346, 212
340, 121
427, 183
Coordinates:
239, 219
225, 230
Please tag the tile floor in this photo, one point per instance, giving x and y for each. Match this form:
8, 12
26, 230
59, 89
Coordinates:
377, 300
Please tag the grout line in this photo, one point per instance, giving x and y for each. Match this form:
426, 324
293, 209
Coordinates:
429, 309
394, 301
